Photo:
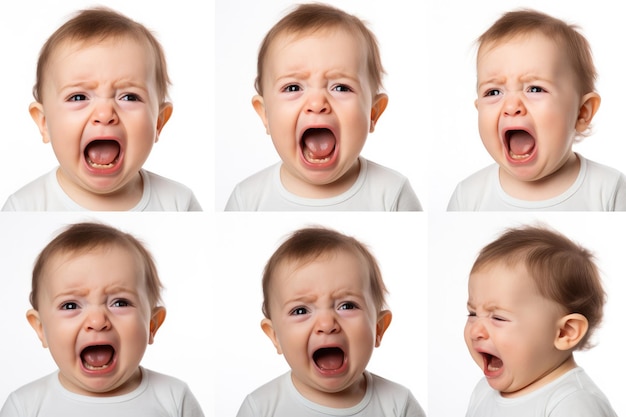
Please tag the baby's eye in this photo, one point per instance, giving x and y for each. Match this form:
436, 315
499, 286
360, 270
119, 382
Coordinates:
69, 306
292, 88
493, 93
535, 89
77, 97
298, 311
121, 303
471, 314
347, 306
342, 88
130, 97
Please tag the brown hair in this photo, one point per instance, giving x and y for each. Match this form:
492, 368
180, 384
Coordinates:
568, 37
96, 25
308, 244
83, 237
562, 270
309, 18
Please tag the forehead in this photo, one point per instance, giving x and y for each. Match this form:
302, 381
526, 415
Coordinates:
501, 279
524, 46
342, 262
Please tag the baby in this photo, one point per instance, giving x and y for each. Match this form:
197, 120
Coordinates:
534, 298
101, 101
323, 303
319, 106
96, 306
536, 97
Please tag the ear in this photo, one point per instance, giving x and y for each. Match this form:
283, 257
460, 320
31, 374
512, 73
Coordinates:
157, 319
378, 107
165, 112
268, 329
572, 328
33, 318
588, 108
36, 112
384, 319
259, 107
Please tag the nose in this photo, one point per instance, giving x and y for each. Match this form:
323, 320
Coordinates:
513, 105
326, 323
97, 320
317, 102
104, 112
476, 329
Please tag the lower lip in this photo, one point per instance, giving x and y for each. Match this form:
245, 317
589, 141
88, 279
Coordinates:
327, 163
104, 170
333, 372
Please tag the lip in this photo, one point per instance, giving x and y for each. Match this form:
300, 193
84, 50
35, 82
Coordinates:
110, 366
103, 170
504, 139
330, 372
322, 164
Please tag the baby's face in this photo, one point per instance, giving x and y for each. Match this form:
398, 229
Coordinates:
100, 111
511, 330
318, 106
94, 316
324, 321
528, 106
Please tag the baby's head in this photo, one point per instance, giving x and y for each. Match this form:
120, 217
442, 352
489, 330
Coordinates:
536, 92
96, 306
323, 301
534, 297
101, 100
319, 105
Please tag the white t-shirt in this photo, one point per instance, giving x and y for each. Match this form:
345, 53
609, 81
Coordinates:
280, 398
571, 395
157, 395
597, 188
376, 189
45, 194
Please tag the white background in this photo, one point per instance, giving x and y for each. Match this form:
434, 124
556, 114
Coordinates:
211, 263
184, 152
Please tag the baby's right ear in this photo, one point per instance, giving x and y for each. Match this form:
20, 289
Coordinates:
35, 322
36, 112
268, 329
259, 107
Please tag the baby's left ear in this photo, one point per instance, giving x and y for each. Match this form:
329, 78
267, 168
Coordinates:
572, 328
157, 319
378, 107
384, 319
588, 108
165, 112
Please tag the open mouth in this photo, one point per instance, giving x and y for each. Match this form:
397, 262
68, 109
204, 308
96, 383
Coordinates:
97, 357
329, 359
491, 364
318, 145
102, 153
520, 143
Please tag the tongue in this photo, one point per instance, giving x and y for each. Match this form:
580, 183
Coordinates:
329, 359
103, 152
97, 356
521, 143
319, 142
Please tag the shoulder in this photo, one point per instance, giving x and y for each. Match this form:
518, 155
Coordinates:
378, 182
164, 194
251, 193
28, 398
577, 394
37, 195
470, 192
393, 396
270, 399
